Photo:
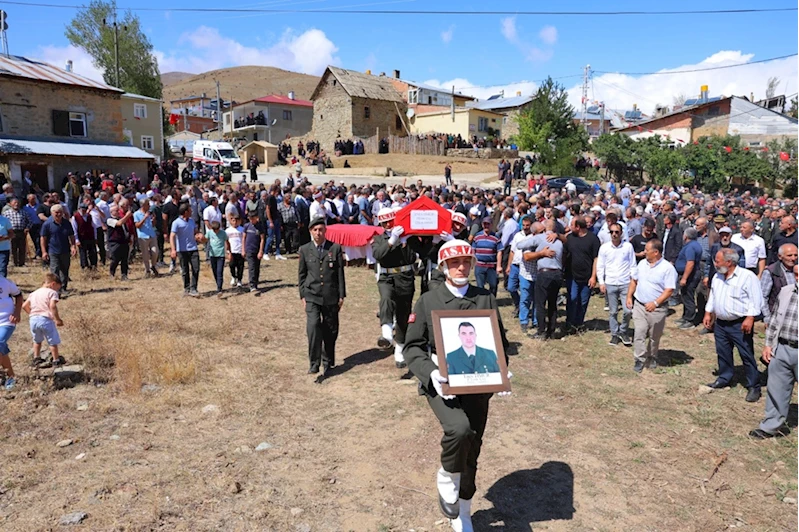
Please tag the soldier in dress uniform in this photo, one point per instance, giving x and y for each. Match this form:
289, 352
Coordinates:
463, 418
322, 290
735, 219
433, 277
395, 256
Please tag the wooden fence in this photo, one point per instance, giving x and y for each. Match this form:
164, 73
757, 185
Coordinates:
410, 145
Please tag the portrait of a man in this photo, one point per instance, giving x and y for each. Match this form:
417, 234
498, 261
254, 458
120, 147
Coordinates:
470, 357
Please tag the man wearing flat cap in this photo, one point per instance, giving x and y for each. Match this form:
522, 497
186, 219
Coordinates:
322, 291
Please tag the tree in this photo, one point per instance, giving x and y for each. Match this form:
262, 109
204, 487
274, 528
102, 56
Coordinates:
547, 127
777, 171
92, 30
793, 110
771, 86
663, 163
678, 100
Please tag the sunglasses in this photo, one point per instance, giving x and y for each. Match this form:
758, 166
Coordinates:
615, 232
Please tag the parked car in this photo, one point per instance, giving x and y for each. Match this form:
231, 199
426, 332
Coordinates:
558, 183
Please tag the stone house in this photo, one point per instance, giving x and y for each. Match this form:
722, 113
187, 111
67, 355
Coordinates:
53, 121
349, 104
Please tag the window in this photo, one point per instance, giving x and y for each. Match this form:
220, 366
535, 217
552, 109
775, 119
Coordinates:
755, 144
77, 124
146, 142
413, 96
139, 110
286, 115
493, 120
367, 112
398, 123
482, 123
713, 111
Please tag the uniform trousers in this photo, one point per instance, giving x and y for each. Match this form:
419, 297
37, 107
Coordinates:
649, 328
728, 334
781, 378
322, 329
394, 304
463, 420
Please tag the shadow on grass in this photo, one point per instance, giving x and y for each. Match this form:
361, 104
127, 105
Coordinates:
106, 290
367, 356
529, 496
672, 357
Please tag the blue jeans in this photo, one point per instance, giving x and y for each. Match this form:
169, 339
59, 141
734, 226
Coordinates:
483, 275
5, 335
577, 303
273, 235
526, 302
4, 255
617, 297
513, 284
728, 334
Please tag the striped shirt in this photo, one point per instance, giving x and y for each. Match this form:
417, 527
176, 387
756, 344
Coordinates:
527, 268
735, 297
485, 249
788, 330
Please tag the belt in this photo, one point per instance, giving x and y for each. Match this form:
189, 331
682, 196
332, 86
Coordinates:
731, 322
398, 269
540, 270
789, 343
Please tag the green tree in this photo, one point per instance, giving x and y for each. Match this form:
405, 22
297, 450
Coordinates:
547, 127
793, 110
663, 163
779, 172
92, 30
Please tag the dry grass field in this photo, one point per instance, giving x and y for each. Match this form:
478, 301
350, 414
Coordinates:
411, 165
166, 435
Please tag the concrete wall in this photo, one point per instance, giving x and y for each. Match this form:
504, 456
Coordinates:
150, 126
756, 124
466, 123
483, 153
332, 114
27, 108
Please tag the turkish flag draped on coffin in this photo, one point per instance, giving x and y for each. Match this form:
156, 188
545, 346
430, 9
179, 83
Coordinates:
424, 217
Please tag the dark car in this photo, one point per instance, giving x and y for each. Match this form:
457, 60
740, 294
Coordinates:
558, 183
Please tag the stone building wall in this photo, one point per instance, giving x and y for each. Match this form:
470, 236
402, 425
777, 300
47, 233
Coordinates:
332, 114
382, 116
27, 109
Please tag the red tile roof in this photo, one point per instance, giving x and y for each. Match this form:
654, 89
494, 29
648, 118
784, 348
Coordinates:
284, 100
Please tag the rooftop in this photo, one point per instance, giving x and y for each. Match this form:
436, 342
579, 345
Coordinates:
18, 66
362, 85
501, 103
284, 100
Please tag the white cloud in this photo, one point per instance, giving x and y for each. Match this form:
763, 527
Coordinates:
464, 86
206, 49
620, 91
59, 55
548, 34
508, 28
446, 36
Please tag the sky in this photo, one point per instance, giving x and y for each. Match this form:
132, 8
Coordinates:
478, 55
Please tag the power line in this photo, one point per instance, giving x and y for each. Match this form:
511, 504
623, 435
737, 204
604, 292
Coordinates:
661, 73
498, 85
423, 12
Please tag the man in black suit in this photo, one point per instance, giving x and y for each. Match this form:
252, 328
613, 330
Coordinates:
672, 238
322, 290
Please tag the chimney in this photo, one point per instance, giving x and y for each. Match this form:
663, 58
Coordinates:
752, 97
68, 66
635, 107
368, 71
518, 93
291, 95
396, 74
703, 94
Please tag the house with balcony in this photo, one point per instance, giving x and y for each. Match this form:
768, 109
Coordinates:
271, 118
53, 121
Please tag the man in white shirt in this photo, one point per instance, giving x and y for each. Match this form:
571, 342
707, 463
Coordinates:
522, 299
212, 212
613, 270
652, 282
734, 301
99, 216
754, 248
319, 208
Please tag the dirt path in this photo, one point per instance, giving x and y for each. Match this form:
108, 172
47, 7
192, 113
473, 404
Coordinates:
582, 444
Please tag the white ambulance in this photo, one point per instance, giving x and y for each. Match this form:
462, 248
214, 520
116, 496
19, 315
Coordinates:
215, 153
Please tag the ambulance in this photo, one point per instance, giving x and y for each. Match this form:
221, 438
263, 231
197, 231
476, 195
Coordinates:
215, 153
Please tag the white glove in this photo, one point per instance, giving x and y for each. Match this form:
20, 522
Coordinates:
437, 379
395, 234
446, 237
505, 394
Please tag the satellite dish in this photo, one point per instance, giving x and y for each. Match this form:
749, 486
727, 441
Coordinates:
410, 113
274, 121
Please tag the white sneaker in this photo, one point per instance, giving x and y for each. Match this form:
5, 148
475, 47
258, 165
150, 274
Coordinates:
278, 256
238, 284
266, 257
233, 281
464, 521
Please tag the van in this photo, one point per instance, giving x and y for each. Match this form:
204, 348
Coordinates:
215, 153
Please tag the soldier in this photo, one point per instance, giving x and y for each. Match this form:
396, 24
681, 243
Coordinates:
735, 218
433, 276
322, 290
463, 418
395, 281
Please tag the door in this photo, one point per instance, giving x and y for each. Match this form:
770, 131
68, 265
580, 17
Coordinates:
38, 174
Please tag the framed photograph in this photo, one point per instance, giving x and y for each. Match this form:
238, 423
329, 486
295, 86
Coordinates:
470, 351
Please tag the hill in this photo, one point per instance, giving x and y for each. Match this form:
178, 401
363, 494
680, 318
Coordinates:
170, 78
242, 83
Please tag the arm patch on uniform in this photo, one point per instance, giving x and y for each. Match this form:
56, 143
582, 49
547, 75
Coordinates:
412, 318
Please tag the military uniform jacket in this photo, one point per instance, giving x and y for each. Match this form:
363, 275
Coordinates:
483, 361
321, 279
420, 327
397, 256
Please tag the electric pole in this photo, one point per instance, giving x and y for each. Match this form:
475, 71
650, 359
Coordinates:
116, 47
3, 28
218, 109
584, 99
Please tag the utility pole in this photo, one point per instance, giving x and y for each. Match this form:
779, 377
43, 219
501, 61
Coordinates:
218, 109
116, 46
584, 99
3, 28
452, 104
601, 118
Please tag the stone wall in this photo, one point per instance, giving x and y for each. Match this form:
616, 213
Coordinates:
482, 153
27, 109
332, 114
382, 116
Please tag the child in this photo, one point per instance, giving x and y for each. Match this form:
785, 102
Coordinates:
253, 245
235, 257
10, 308
42, 307
216, 240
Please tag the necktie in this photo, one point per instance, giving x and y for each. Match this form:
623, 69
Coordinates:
320, 250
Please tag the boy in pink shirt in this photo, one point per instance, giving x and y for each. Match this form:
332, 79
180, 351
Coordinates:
42, 307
